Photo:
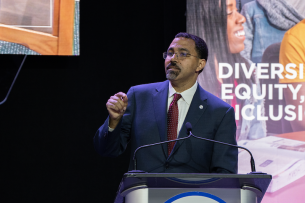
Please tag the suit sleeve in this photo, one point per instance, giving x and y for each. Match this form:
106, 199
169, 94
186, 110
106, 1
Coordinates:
225, 158
112, 144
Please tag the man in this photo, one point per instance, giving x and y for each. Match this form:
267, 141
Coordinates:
156, 112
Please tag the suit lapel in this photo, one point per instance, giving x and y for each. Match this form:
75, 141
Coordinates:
197, 108
160, 107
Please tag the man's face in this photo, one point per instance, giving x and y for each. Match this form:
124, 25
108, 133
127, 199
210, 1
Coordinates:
235, 30
186, 69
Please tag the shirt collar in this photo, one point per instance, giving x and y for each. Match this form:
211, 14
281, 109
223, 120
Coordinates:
187, 95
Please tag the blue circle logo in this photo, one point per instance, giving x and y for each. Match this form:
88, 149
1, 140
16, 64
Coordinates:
195, 197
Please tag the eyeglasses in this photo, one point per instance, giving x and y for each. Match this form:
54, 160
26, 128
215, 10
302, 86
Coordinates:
180, 55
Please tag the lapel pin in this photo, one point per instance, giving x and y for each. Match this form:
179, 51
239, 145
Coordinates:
200, 107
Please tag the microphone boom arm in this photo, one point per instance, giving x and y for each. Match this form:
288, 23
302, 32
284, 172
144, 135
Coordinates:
251, 160
201, 138
149, 145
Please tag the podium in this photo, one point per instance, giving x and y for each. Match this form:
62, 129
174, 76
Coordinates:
192, 187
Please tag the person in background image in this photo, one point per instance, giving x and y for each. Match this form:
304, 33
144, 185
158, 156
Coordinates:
266, 23
293, 51
220, 24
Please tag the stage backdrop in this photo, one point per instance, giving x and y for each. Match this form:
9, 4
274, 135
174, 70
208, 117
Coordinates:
256, 61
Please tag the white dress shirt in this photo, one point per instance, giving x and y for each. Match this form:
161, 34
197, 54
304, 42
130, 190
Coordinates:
183, 103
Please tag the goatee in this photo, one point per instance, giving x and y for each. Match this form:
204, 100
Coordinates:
171, 74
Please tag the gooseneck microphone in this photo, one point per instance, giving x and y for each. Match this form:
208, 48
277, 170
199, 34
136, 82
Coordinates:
190, 134
150, 145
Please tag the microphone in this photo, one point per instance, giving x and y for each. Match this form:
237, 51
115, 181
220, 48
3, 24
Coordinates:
154, 144
188, 126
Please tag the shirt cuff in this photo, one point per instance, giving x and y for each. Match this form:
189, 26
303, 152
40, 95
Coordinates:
110, 129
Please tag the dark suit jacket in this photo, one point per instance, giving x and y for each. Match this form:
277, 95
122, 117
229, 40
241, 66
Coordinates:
144, 122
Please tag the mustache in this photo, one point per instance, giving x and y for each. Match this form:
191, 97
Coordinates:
173, 65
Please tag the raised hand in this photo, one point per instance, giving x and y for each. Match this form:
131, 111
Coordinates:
116, 106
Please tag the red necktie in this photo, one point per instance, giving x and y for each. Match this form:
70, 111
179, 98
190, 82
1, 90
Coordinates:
172, 123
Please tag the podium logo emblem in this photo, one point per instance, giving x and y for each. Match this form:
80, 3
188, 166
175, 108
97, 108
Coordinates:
195, 197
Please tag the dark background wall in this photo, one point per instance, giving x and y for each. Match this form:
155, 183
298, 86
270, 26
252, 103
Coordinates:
57, 104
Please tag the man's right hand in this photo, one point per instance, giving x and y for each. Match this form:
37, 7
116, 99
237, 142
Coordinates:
116, 106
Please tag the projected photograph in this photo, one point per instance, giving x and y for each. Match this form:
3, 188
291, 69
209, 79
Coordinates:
256, 64
39, 27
